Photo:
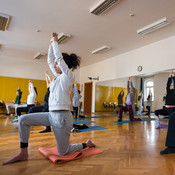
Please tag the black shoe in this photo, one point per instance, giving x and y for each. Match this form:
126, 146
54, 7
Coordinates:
136, 119
119, 120
85, 126
167, 151
48, 129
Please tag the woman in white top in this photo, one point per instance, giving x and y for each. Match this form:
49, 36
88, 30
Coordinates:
30, 100
59, 115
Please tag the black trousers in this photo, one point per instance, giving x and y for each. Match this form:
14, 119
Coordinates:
149, 110
170, 139
164, 111
23, 109
76, 111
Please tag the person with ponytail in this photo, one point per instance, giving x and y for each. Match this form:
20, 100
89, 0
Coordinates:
59, 115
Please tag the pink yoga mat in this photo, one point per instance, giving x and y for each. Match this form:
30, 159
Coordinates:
52, 154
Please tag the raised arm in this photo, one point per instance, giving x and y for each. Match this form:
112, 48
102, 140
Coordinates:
31, 88
122, 93
129, 80
171, 77
48, 79
75, 89
51, 60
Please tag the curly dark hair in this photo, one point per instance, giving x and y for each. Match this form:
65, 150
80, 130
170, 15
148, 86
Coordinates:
72, 60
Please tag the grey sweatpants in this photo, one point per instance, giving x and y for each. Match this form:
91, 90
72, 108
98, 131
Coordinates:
61, 122
8, 107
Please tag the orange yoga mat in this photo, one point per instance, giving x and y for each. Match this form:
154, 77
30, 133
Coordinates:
52, 154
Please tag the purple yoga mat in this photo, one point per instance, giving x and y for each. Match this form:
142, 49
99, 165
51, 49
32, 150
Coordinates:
164, 126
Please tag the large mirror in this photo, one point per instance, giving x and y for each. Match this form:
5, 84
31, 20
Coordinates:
108, 91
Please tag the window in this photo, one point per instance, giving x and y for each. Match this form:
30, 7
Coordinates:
149, 86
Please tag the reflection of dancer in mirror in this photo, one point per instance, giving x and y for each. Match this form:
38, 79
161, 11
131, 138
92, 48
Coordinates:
140, 103
59, 115
129, 103
149, 103
170, 100
120, 98
76, 98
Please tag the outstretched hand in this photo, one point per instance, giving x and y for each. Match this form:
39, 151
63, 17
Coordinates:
54, 37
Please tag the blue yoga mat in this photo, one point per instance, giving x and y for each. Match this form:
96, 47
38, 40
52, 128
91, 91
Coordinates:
89, 117
14, 116
94, 117
128, 121
165, 118
92, 128
14, 121
84, 121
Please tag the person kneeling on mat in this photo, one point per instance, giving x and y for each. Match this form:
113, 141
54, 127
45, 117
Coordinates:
59, 115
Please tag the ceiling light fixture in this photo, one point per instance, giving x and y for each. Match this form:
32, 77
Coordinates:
39, 55
102, 6
62, 38
101, 50
4, 21
154, 26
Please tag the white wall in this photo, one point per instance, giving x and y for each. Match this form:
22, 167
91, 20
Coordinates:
155, 57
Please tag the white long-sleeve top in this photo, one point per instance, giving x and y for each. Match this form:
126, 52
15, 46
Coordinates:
32, 95
76, 97
61, 87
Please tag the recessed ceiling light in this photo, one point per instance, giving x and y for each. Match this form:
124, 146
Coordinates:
37, 30
131, 14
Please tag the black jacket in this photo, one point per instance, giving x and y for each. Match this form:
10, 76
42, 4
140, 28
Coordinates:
170, 97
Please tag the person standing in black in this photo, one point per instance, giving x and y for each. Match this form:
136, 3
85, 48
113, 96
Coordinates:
170, 141
44, 107
170, 99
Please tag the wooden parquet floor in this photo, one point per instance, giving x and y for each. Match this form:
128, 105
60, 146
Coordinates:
129, 149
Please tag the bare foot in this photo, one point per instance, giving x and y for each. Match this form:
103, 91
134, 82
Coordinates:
20, 157
89, 143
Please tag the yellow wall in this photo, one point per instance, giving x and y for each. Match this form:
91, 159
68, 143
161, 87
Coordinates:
9, 86
107, 94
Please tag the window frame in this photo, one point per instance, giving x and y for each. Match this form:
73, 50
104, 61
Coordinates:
146, 89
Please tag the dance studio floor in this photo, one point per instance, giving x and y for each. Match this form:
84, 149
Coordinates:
128, 149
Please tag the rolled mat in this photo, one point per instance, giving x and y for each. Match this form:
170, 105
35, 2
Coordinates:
52, 154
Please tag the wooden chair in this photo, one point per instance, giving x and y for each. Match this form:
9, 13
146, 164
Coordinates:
111, 106
23, 102
2, 106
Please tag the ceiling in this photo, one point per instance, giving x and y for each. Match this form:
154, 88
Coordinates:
115, 28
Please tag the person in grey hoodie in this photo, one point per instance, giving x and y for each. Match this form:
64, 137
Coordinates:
59, 115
